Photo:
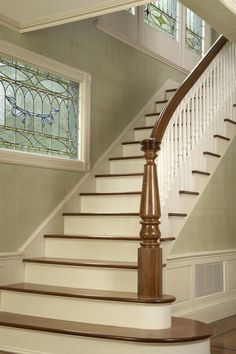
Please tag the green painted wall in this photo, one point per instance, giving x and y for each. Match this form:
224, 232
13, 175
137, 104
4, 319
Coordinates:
212, 224
123, 80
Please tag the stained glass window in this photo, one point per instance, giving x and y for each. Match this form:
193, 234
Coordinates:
162, 14
38, 111
194, 32
131, 10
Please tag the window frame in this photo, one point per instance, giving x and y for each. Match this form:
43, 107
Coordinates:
84, 80
202, 36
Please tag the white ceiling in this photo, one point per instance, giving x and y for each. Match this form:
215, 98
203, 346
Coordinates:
220, 14
29, 15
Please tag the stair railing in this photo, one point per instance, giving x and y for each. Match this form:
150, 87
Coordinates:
180, 126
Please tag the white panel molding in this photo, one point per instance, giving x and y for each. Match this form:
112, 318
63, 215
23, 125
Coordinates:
109, 30
84, 79
11, 267
207, 308
54, 222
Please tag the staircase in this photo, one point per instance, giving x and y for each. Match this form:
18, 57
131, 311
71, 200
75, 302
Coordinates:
81, 297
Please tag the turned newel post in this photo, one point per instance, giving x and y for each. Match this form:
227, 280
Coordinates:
150, 253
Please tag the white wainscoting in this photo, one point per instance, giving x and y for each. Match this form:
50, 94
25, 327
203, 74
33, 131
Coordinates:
179, 280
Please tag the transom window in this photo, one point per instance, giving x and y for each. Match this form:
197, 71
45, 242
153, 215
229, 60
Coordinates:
39, 111
162, 14
194, 32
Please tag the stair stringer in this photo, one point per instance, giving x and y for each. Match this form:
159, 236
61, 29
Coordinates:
34, 246
187, 181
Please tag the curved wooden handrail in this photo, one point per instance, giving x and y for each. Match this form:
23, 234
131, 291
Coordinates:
166, 114
150, 252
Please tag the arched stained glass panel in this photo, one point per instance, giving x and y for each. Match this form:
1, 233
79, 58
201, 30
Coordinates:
162, 14
39, 110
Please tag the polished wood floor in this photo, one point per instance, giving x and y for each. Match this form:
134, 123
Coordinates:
224, 339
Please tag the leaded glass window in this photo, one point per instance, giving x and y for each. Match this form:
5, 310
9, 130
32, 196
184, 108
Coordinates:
194, 32
39, 111
131, 10
162, 14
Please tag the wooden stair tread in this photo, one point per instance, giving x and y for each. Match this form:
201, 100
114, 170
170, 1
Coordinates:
211, 154
162, 101
105, 238
131, 143
221, 137
110, 193
188, 192
119, 175
201, 172
82, 293
82, 262
152, 114
171, 90
182, 330
178, 214
126, 157
144, 127
230, 121
100, 214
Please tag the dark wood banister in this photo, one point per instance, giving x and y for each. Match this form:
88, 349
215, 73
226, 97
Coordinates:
150, 252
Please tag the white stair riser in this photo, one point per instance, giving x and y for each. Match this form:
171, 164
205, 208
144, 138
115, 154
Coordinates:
230, 130
82, 277
36, 342
175, 225
160, 106
142, 134
127, 166
221, 146
187, 202
110, 203
132, 150
119, 184
211, 163
168, 95
116, 250
101, 225
151, 120
112, 313
200, 182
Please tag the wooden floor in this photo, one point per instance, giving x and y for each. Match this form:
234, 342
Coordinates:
224, 339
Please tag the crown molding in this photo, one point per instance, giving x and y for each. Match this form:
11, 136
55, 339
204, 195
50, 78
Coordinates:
70, 16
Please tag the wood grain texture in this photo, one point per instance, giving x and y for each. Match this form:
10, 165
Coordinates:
82, 293
150, 253
82, 262
188, 192
182, 330
169, 110
119, 175
104, 238
198, 172
221, 137
230, 121
211, 154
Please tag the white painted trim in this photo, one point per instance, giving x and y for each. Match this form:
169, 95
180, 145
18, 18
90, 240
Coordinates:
69, 16
103, 158
84, 79
196, 255
206, 308
10, 255
105, 28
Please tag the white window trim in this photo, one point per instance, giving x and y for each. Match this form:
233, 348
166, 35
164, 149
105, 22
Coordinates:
84, 79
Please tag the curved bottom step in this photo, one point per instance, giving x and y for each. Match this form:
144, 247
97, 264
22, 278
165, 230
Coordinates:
63, 337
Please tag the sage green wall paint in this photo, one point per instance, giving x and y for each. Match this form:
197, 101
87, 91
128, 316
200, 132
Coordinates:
123, 80
212, 224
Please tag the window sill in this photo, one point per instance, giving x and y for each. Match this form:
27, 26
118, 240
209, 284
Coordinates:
34, 160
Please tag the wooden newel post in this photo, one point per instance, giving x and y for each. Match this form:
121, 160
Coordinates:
150, 253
